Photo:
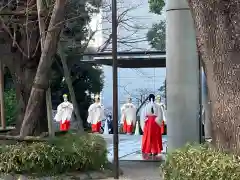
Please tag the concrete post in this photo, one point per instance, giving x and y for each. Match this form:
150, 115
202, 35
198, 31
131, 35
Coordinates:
182, 76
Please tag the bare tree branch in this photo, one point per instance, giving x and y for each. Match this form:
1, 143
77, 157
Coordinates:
126, 22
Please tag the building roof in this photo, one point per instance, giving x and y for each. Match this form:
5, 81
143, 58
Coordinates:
135, 59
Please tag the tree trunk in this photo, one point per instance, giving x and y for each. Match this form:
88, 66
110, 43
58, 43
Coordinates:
23, 80
40, 85
23, 70
42, 31
21, 55
218, 41
70, 87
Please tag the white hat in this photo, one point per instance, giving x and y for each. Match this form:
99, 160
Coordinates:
158, 97
97, 96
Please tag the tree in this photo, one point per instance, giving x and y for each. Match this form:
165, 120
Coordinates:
85, 78
20, 51
74, 42
140, 96
162, 89
41, 80
156, 36
218, 42
127, 24
156, 6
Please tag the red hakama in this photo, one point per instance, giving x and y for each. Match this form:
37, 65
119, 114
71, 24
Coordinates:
64, 125
152, 137
162, 127
127, 128
96, 127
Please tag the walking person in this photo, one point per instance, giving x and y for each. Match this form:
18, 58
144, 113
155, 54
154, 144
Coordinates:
151, 118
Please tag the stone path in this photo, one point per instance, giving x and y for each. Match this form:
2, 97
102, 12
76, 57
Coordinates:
129, 147
136, 170
132, 164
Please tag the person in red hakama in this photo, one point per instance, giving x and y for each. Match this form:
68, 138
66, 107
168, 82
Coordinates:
162, 109
151, 118
128, 119
96, 115
64, 114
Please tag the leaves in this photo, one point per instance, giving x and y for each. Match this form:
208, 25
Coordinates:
10, 106
200, 162
70, 152
156, 36
75, 39
156, 6
162, 89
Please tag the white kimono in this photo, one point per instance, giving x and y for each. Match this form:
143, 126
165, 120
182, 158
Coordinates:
128, 111
64, 112
162, 107
95, 113
147, 112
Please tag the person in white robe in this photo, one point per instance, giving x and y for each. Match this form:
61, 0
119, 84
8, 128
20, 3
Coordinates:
96, 115
64, 114
162, 108
128, 116
151, 120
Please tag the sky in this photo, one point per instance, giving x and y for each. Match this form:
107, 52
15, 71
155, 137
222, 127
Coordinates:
136, 22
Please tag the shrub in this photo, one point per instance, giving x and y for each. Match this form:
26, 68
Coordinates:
200, 162
70, 152
10, 102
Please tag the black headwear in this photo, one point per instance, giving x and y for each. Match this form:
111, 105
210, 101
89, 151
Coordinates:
151, 98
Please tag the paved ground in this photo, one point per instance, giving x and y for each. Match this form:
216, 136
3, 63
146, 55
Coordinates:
136, 170
131, 162
129, 147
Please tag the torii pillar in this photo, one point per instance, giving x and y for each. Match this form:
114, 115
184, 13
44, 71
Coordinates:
182, 76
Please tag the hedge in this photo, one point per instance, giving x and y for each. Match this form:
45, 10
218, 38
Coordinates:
10, 102
200, 162
70, 152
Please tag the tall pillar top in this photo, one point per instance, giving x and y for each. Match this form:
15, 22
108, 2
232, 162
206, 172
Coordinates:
176, 5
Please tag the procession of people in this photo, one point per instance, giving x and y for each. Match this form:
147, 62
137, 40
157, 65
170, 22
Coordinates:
152, 120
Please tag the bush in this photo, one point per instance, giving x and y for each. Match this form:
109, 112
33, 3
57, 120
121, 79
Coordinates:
70, 152
10, 102
200, 162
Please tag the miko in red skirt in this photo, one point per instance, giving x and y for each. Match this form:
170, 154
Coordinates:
151, 121
64, 114
128, 118
96, 115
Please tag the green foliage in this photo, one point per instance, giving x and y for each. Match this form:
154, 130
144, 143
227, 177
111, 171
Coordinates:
156, 36
156, 6
71, 152
10, 106
162, 89
201, 162
74, 40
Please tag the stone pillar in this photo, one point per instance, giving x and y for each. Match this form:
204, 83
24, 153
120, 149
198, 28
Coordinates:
182, 76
